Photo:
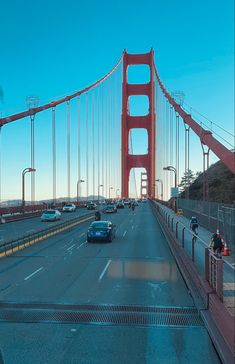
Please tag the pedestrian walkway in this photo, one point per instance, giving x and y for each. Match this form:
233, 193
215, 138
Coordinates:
203, 233
200, 244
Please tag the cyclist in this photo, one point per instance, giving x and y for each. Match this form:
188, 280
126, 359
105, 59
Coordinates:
217, 243
194, 224
97, 216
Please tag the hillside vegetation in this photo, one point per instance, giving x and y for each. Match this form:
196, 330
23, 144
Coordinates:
221, 185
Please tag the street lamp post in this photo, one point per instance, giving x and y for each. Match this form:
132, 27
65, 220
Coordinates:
172, 169
99, 195
110, 188
26, 170
78, 183
160, 180
117, 192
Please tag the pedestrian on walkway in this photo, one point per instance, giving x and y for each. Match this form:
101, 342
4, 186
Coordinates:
217, 243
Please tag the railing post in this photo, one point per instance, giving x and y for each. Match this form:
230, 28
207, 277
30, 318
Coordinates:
219, 279
172, 219
207, 255
183, 236
176, 229
193, 242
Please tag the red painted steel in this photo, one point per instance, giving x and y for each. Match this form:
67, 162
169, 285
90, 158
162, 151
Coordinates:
129, 122
143, 185
52, 104
224, 154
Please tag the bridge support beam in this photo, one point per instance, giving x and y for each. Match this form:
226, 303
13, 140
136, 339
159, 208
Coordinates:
147, 122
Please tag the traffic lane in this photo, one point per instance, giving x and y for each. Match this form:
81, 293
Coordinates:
16, 267
48, 266
20, 228
136, 268
73, 343
114, 339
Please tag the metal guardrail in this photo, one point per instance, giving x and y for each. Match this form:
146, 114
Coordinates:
174, 224
208, 283
10, 246
212, 215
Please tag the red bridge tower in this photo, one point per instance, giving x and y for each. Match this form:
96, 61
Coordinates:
147, 122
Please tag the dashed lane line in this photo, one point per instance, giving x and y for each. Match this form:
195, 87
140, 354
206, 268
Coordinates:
32, 274
104, 270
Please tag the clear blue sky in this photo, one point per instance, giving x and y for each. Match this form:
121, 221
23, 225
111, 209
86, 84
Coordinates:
52, 48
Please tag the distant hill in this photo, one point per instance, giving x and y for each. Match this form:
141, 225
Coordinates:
221, 185
10, 203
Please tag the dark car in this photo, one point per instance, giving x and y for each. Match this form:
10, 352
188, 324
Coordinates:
91, 206
120, 205
111, 207
101, 231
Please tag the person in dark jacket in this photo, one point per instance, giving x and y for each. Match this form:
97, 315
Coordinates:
97, 216
217, 243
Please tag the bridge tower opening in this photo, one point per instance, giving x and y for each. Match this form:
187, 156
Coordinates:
147, 122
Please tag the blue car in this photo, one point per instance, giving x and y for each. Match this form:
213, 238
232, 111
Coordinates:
101, 231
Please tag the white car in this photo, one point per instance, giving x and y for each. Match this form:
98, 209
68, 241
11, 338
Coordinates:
51, 215
69, 207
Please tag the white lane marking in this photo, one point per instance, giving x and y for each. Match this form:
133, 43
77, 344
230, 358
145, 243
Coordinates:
69, 242
32, 274
131, 220
105, 268
124, 233
132, 227
81, 235
29, 231
81, 245
2, 230
71, 247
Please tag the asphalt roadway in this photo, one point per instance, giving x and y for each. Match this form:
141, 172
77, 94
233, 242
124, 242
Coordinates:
16, 229
137, 268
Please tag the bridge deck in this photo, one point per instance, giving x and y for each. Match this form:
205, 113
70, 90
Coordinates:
135, 270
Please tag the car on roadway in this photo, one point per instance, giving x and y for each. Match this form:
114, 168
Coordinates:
126, 202
110, 208
91, 206
51, 215
101, 231
69, 207
120, 204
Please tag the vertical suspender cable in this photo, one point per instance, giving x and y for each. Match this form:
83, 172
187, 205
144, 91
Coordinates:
0, 165
166, 146
93, 144
54, 154
106, 144
177, 147
79, 147
102, 135
109, 133
171, 143
87, 148
68, 148
186, 157
98, 133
